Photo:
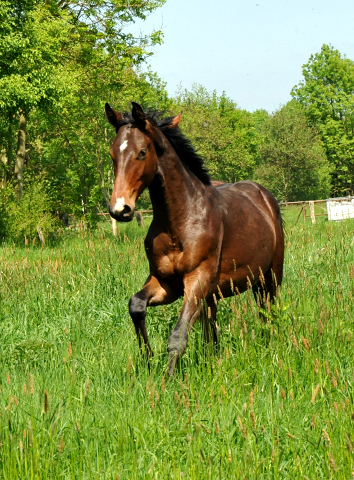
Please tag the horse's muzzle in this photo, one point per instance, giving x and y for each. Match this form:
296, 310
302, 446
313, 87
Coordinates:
126, 215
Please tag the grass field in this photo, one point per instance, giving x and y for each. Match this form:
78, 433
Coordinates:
78, 402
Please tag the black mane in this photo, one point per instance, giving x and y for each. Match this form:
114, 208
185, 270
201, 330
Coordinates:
182, 145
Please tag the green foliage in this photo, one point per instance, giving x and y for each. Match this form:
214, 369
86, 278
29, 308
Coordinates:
60, 61
326, 94
222, 133
293, 165
31, 214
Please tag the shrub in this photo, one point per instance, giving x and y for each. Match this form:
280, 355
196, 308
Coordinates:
30, 216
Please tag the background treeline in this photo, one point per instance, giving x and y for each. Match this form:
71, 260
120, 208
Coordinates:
61, 60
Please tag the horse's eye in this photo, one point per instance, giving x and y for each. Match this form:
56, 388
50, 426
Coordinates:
142, 154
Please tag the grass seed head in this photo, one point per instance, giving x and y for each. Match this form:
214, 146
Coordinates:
204, 428
252, 398
316, 365
253, 419
315, 392
61, 445
326, 436
178, 398
334, 381
332, 462
242, 427
305, 343
217, 427
152, 396
8, 378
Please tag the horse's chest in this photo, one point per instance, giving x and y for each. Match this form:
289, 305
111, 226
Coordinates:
166, 260
169, 264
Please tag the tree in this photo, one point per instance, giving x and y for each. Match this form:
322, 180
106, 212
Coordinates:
293, 165
327, 96
60, 61
53, 51
223, 134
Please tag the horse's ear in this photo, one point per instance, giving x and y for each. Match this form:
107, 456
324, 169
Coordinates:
139, 115
175, 121
113, 117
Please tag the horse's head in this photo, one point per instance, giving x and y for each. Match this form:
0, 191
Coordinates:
134, 155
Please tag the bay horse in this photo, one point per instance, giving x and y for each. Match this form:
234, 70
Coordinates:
205, 241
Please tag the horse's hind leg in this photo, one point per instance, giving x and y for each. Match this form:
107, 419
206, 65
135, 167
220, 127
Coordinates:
154, 292
208, 320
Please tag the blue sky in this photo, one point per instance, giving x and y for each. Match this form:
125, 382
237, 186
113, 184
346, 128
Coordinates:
252, 50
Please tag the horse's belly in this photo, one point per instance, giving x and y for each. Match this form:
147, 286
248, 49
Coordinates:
244, 260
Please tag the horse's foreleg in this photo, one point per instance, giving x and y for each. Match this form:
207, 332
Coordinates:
154, 292
196, 287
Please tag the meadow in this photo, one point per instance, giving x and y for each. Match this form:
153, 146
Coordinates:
77, 401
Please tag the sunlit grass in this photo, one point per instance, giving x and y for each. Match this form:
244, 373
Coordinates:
77, 401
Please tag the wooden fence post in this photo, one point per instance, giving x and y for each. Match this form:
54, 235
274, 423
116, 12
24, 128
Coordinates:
114, 226
140, 219
312, 212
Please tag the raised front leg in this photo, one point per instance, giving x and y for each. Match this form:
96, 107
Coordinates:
155, 292
196, 286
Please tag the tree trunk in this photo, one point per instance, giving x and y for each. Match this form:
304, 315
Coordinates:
21, 154
9, 151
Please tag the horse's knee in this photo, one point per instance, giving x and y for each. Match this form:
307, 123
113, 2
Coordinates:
137, 308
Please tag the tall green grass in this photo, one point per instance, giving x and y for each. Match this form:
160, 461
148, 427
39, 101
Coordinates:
78, 401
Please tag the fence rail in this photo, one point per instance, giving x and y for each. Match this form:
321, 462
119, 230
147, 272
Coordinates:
311, 205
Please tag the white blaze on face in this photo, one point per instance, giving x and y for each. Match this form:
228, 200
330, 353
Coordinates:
123, 146
119, 206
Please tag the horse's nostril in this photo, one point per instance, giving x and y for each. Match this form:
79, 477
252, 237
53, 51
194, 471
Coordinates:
126, 210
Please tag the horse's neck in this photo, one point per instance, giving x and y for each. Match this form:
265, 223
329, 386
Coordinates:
173, 192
